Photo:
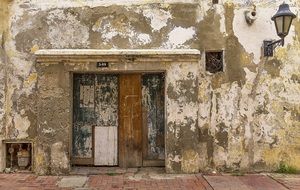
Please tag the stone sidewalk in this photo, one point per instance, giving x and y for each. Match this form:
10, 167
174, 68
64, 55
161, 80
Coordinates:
146, 180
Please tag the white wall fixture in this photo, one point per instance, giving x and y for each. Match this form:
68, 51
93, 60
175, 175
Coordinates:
251, 15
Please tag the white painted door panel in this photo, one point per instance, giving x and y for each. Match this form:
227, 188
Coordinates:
106, 146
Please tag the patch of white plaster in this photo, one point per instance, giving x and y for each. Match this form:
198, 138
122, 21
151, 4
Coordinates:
19, 28
59, 159
290, 91
158, 18
251, 36
48, 131
176, 158
46, 5
214, 114
180, 109
21, 124
22, 112
189, 109
220, 156
144, 38
228, 103
266, 132
261, 3
205, 6
65, 31
250, 76
178, 36
248, 134
2, 92
108, 29
221, 11
236, 152
175, 130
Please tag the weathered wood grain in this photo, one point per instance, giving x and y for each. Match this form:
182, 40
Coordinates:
130, 131
83, 117
153, 116
106, 146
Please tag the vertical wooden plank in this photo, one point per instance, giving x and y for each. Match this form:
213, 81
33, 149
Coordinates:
113, 134
105, 146
106, 99
130, 132
83, 119
153, 116
82, 141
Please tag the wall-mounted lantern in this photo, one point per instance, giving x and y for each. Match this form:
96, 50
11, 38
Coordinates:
283, 20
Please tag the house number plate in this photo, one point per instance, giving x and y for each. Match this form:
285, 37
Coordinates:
102, 64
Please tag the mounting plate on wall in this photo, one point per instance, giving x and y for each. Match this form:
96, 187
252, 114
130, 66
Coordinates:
268, 50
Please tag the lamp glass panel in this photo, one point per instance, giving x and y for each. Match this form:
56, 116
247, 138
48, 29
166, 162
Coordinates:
279, 24
287, 24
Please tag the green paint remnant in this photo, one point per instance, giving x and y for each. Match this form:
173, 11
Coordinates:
287, 169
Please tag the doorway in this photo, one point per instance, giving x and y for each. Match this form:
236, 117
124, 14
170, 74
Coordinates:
118, 119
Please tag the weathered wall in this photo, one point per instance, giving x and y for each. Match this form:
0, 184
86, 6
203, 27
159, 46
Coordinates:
248, 116
253, 119
55, 96
3, 67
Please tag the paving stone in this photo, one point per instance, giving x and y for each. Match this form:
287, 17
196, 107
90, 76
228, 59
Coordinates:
151, 181
247, 182
72, 181
290, 181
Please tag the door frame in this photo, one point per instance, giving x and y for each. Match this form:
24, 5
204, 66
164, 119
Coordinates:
74, 161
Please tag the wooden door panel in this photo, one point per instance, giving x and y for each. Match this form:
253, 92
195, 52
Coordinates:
130, 132
133, 102
106, 148
153, 119
106, 126
83, 119
95, 119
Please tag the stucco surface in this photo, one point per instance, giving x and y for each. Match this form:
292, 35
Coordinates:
245, 118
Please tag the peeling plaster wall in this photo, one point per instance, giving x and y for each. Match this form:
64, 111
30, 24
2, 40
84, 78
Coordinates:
3, 67
54, 125
182, 106
3, 32
248, 116
249, 124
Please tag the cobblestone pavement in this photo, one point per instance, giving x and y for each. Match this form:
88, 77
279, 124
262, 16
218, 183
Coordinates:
140, 181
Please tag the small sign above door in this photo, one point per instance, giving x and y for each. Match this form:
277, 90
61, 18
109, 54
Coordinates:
102, 64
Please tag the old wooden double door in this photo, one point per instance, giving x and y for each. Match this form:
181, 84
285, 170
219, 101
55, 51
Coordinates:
118, 119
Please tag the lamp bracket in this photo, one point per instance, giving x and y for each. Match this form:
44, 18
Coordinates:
270, 45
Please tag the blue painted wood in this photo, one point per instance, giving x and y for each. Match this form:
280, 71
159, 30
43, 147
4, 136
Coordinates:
153, 108
95, 104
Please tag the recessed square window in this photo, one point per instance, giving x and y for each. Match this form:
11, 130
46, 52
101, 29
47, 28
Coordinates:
18, 156
214, 61
215, 1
